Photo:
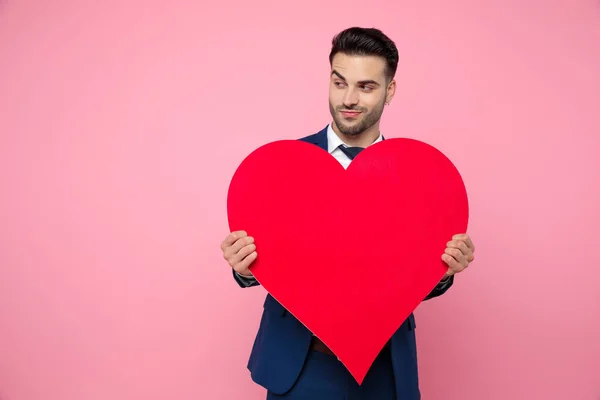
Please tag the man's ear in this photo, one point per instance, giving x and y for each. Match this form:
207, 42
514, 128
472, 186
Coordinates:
391, 90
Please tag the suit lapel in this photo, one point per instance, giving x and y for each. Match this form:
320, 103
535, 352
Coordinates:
320, 139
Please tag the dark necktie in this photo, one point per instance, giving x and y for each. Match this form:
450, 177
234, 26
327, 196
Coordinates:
351, 152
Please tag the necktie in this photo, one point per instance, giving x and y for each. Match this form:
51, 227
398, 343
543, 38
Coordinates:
351, 152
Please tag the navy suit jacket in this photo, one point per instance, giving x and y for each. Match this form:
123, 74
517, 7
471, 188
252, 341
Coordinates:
282, 342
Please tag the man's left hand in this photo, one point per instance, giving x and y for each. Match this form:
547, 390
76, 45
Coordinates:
458, 254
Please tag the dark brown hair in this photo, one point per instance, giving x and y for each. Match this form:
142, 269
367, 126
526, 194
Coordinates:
366, 42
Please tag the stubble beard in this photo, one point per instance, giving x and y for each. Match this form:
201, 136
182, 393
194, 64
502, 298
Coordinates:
368, 120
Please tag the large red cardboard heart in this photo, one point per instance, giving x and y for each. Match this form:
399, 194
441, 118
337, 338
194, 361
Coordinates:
350, 253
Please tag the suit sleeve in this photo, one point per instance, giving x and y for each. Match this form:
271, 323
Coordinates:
243, 281
440, 289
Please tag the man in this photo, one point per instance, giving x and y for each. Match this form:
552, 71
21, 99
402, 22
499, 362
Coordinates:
286, 358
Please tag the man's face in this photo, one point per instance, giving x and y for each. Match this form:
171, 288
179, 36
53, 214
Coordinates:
358, 91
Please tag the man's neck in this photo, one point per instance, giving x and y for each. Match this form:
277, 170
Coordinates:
363, 139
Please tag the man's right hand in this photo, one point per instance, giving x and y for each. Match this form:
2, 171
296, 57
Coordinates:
240, 252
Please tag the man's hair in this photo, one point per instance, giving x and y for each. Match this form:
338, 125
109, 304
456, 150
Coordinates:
357, 41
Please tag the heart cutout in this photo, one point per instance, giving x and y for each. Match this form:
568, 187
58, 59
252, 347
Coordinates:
350, 253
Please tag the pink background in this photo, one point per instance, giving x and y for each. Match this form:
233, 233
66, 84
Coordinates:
121, 124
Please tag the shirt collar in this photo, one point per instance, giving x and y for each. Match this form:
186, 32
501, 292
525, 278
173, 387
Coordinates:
334, 141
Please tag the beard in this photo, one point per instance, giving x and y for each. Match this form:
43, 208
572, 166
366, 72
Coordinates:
367, 119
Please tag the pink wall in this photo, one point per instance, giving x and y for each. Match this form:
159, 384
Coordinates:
121, 125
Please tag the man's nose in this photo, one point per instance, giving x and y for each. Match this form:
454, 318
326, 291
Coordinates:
351, 98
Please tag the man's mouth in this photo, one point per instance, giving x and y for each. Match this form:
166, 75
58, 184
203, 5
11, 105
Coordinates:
349, 114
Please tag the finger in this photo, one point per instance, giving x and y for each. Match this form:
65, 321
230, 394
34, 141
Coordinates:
470, 248
455, 253
460, 245
232, 238
245, 264
464, 237
237, 246
469, 243
453, 265
458, 256
243, 253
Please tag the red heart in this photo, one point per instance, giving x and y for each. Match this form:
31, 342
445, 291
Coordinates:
350, 253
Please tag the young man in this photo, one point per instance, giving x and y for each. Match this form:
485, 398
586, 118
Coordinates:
286, 358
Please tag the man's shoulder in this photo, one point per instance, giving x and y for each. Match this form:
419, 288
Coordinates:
315, 137
311, 138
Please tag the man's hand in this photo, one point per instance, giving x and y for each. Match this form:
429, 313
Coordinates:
240, 252
458, 254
